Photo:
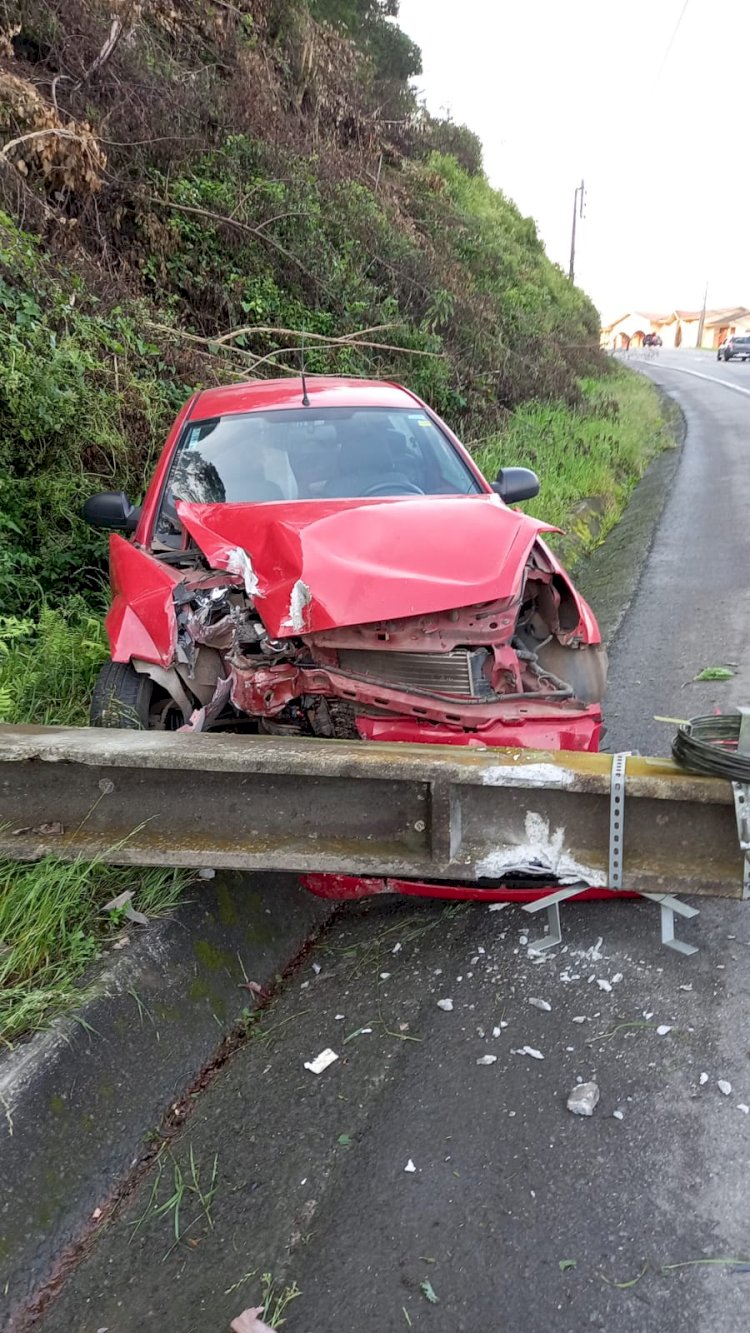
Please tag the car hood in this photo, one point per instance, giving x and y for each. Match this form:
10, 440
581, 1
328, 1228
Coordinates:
313, 565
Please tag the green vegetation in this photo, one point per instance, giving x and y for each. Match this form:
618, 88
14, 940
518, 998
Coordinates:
294, 184
48, 664
244, 172
52, 927
595, 452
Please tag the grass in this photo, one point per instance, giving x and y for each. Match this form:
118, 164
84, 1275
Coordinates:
275, 1301
597, 452
186, 1189
48, 665
52, 928
51, 922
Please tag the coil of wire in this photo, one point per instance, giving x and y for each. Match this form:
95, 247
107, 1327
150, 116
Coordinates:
709, 745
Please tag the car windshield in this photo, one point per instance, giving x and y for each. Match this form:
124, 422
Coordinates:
311, 454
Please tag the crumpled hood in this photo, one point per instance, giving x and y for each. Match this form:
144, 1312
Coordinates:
313, 565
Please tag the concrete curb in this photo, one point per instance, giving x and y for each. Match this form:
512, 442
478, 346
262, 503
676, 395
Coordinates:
77, 1102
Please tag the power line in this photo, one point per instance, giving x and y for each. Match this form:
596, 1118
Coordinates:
672, 39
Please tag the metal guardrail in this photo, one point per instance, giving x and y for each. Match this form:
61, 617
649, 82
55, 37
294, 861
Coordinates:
413, 811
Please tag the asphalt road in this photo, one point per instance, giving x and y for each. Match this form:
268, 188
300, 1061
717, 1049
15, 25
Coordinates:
520, 1217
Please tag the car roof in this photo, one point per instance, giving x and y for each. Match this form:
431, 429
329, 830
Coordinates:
322, 391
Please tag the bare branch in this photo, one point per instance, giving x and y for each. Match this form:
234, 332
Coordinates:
277, 217
39, 134
250, 329
117, 28
241, 226
350, 340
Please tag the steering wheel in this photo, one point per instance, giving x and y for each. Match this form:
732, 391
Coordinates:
395, 488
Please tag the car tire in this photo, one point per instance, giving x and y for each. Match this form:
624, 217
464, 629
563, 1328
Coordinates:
122, 697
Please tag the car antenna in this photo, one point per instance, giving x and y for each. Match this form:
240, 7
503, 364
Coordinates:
305, 399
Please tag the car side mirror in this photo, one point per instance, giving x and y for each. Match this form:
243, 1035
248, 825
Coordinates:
516, 483
112, 510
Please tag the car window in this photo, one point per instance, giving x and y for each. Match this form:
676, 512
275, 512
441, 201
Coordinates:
313, 453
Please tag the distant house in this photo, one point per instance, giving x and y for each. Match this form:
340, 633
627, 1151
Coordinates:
631, 329
723, 324
678, 328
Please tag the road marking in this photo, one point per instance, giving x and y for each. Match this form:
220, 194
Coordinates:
728, 384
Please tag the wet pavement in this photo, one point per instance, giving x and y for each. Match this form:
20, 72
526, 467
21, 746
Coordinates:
518, 1214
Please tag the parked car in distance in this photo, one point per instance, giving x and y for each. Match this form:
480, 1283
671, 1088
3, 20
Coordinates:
735, 348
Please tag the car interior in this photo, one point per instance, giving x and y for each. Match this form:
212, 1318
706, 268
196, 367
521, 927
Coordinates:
301, 454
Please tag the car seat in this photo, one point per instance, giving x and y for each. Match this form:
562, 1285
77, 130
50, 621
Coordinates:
364, 461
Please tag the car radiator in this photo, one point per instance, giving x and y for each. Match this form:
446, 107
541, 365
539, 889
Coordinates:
459, 673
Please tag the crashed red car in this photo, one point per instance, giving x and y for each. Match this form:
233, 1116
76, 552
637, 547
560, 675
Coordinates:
324, 559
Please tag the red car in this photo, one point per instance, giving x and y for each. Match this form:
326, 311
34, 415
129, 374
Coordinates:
324, 558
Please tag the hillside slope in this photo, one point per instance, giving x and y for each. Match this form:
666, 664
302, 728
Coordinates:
179, 171
190, 186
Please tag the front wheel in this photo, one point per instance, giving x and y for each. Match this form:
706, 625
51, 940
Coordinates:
124, 697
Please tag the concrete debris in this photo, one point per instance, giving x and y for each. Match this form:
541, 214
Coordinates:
445, 1005
123, 903
724, 1086
396, 948
541, 1004
579, 1018
486, 1059
592, 955
663, 1029
529, 1050
496, 1031
583, 1099
524, 939
741, 1106
338, 1017
603, 985
55, 827
617, 977
384, 976
618, 1115
497, 907
410, 1167
703, 1079
317, 969
205, 873
321, 1061
690, 987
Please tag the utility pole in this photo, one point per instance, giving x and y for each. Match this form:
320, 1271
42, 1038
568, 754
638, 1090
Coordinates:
577, 212
702, 319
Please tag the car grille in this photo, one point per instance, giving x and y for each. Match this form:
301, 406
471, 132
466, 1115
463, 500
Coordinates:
458, 673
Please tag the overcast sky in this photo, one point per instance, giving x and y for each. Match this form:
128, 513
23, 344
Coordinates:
644, 101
